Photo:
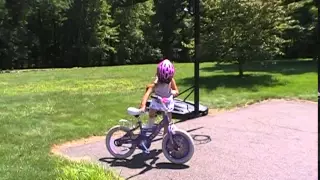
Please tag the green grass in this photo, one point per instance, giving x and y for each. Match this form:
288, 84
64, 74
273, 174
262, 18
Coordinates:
42, 108
89, 171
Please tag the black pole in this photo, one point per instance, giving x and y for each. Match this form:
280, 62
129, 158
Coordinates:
196, 60
317, 46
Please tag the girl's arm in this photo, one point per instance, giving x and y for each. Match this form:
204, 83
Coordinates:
146, 96
174, 88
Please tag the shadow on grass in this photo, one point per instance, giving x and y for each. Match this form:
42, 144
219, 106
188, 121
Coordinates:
283, 67
233, 81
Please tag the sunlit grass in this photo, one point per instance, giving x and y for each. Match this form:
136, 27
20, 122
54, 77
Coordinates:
85, 171
42, 108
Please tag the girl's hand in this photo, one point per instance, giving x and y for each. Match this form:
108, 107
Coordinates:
143, 109
174, 88
174, 93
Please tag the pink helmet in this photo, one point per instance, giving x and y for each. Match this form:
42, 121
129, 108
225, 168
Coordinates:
165, 71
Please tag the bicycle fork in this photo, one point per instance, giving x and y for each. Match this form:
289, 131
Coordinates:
171, 132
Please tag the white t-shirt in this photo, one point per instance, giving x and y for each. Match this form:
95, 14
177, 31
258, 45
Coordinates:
162, 90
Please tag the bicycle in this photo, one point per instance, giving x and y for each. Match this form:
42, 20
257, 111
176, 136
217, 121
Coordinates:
174, 149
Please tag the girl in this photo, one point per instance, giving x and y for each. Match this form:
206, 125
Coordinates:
164, 86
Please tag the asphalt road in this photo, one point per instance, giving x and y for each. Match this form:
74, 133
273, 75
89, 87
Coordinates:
273, 140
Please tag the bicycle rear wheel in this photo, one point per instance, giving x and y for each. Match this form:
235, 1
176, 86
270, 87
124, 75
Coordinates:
110, 142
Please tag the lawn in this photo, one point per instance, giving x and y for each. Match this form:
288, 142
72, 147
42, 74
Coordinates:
42, 108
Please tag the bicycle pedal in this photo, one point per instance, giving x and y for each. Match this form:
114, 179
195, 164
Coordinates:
146, 151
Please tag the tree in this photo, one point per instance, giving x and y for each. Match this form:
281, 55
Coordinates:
44, 27
60, 33
303, 32
173, 27
134, 45
243, 30
12, 42
88, 36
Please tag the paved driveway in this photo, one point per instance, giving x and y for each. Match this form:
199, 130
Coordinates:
273, 140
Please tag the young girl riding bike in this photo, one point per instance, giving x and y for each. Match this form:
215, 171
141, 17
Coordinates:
163, 86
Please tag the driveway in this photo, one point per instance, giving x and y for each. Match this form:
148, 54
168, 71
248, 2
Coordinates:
272, 140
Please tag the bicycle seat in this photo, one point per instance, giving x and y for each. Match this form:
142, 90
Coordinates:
134, 111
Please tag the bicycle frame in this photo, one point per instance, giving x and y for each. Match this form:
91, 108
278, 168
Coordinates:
165, 121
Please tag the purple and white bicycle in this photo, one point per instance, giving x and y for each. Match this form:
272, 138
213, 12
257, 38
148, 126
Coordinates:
177, 144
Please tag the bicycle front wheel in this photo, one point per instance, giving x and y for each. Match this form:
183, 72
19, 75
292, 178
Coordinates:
182, 150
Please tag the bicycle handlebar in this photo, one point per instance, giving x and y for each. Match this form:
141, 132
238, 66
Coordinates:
156, 97
159, 98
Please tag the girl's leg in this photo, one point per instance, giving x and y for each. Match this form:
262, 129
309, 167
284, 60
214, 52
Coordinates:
152, 116
165, 128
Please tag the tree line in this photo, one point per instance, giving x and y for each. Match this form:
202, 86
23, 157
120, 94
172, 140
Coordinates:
83, 33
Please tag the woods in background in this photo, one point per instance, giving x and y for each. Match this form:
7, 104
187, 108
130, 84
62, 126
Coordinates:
83, 33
